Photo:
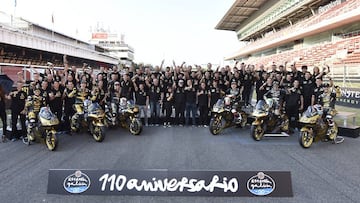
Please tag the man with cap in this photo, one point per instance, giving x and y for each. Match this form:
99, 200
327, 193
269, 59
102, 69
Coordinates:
179, 103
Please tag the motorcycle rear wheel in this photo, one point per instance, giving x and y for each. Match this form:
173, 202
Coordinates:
135, 127
99, 133
243, 120
257, 132
51, 141
215, 125
306, 139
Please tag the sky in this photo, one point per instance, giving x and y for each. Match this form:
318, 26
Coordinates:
180, 30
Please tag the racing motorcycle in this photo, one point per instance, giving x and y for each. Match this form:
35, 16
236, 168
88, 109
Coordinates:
226, 113
89, 116
128, 116
42, 128
316, 127
268, 119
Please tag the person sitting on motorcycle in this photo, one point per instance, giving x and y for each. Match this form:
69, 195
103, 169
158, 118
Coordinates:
277, 95
34, 104
328, 98
232, 98
114, 96
82, 94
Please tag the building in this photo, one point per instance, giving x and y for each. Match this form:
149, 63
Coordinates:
308, 32
113, 45
24, 43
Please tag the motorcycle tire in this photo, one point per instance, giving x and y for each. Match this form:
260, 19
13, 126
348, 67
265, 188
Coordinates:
244, 120
306, 138
51, 141
215, 126
285, 124
135, 127
257, 132
98, 133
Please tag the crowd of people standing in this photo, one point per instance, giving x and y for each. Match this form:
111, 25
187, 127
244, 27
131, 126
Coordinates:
175, 95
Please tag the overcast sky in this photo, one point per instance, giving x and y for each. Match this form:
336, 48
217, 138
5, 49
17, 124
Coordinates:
183, 30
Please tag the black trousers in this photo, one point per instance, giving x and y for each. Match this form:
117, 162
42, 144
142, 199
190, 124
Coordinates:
57, 110
14, 119
293, 114
168, 110
3, 118
68, 113
179, 113
246, 95
204, 111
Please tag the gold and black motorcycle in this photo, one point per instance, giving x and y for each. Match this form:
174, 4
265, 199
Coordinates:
89, 116
128, 116
226, 113
317, 125
42, 128
268, 119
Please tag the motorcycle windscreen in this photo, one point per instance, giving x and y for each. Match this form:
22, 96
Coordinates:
46, 113
94, 108
219, 103
47, 118
261, 106
310, 112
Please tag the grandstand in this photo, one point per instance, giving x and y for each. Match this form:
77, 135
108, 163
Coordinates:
24, 43
310, 32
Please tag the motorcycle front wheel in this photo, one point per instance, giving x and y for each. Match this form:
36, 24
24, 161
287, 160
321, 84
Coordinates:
51, 141
98, 133
135, 127
215, 125
306, 138
74, 124
257, 132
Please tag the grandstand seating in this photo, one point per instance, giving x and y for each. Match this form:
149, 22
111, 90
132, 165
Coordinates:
317, 53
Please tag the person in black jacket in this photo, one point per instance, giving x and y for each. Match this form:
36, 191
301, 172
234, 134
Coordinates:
190, 103
167, 105
18, 99
2, 111
203, 95
294, 103
179, 96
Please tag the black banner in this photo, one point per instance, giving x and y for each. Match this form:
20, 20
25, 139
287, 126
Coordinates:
170, 183
350, 97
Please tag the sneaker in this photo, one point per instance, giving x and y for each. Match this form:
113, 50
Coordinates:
169, 126
157, 125
205, 126
13, 139
180, 125
164, 126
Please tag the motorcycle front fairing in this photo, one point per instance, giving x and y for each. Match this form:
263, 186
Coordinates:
47, 118
261, 109
218, 106
95, 111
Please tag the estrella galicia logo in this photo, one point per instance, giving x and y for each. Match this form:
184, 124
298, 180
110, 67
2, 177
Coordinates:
261, 184
77, 182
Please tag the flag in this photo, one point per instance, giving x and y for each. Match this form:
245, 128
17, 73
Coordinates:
15, 3
52, 18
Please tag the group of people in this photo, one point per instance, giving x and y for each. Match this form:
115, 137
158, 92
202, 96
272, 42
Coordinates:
185, 91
